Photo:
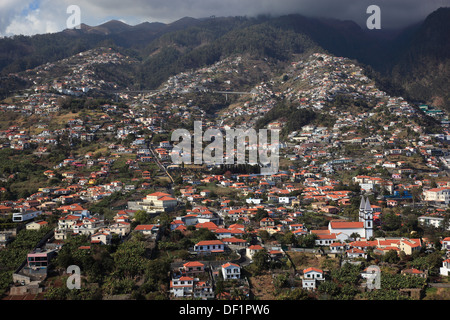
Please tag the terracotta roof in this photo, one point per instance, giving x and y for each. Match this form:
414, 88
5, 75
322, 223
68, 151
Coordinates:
144, 227
355, 250
414, 271
255, 247
193, 264
166, 198
337, 244
229, 264
222, 230
70, 217
158, 194
327, 236
206, 225
233, 239
346, 225
209, 242
312, 269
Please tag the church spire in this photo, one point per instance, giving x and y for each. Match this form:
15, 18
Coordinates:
367, 206
362, 205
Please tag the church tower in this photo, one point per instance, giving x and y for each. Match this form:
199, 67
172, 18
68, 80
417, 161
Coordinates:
362, 206
366, 216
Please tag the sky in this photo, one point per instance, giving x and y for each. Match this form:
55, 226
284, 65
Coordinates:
29, 17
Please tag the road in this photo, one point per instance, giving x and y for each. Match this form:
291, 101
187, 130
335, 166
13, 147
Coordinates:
160, 165
439, 285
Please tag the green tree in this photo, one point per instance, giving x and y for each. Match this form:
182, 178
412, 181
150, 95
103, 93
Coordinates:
347, 274
390, 221
391, 256
142, 217
307, 240
261, 214
329, 288
129, 259
261, 260
295, 294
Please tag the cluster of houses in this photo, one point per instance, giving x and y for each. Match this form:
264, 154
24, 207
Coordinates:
315, 154
341, 75
80, 78
195, 279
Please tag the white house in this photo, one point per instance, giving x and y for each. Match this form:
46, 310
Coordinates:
253, 201
26, 215
121, 228
222, 233
209, 246
389, 165
436, 222
326, 239
285, 200
36, 225
175, 224
297, 226
101, 237
251, 250
87, 226
158, 202
182, 287
311, 276
355, 253
445, 269
446, 243
337, 247
346, 228
437, 195
148, 229
193, 267
231, 271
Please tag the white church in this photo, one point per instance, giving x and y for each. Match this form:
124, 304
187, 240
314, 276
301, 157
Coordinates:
364, 227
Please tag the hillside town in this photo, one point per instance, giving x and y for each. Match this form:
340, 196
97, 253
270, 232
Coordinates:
365, 185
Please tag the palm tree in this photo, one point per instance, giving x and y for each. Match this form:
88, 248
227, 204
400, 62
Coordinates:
355, 235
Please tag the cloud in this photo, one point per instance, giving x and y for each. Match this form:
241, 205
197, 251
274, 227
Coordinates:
10, 9
36, 22
394, 12
41, 16
28, 17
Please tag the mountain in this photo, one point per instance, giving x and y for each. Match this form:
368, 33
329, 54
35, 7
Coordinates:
413, 61
109, 27
422, 63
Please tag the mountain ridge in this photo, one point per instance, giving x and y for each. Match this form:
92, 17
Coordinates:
398, 57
